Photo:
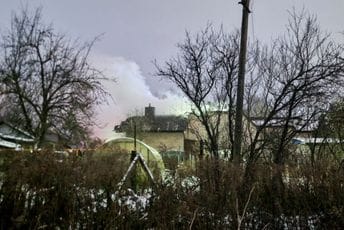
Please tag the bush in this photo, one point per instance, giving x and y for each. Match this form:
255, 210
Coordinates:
42, 190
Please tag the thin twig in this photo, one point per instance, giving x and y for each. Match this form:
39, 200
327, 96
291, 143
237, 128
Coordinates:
242, 216
193, 218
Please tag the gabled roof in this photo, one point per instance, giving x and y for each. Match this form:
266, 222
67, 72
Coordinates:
313, 140
274, 122
166, 123
12, 134
8, 144
149, 122
295, 122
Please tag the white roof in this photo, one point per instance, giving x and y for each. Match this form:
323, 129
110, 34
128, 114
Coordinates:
13, 137
8, 144
276, 122
9, 132
313, 140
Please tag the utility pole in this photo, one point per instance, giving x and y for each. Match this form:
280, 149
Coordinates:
238, 131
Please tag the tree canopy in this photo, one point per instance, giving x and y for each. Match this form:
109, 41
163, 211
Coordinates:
46, 80
292, 80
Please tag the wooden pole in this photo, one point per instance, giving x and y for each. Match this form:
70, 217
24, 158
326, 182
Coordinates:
238, 131
135, 136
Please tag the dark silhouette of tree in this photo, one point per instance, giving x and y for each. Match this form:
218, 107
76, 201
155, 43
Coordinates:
206, 72
46, 79
299, 76
330, 130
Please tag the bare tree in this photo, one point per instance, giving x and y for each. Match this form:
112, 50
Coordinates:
205, 71
298, 77
46, 79
331, 131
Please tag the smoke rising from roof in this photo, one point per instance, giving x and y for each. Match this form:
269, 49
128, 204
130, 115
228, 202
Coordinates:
130, 94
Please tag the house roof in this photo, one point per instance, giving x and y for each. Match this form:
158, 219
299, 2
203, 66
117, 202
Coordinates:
313, 140
274, 122
295, 122
8, 144
12, 134
166, 123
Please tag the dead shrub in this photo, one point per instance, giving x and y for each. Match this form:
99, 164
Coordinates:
42, 190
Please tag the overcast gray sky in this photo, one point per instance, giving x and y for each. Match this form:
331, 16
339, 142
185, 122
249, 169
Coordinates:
136, 32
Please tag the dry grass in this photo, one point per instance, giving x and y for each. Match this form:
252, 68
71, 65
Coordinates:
42, 190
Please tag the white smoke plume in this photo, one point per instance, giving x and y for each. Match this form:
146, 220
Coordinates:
130, 94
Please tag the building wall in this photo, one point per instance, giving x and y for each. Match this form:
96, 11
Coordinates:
196, 131
164, 141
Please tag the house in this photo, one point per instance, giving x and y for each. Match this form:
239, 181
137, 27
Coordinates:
176, 134
170, 133
166, 133
14, 138
296, 125
54, 140
196, 131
